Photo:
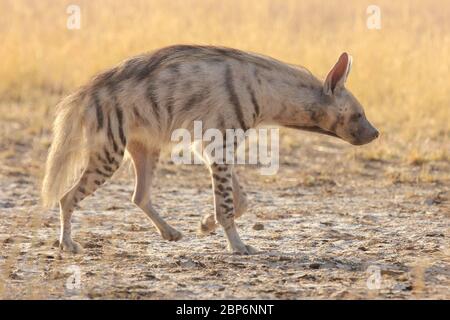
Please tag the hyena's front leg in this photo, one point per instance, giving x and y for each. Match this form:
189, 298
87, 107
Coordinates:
224, 207
145, 162
240, 203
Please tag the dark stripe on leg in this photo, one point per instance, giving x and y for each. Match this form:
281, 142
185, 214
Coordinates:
111, 135
103, 174
100, 158
120, 121
111, 159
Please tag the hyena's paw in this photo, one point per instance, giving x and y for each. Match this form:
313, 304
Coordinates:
207, 224
243, 250
171, 234
70, 246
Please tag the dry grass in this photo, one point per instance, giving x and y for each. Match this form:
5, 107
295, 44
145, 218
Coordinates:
400, 74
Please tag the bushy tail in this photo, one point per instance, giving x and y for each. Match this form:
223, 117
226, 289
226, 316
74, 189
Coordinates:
67, 154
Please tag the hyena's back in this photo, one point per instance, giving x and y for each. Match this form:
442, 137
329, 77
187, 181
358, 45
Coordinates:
172, 87
144, 99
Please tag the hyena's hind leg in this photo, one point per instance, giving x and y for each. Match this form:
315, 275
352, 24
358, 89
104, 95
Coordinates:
145, 161
101, 166
240, 202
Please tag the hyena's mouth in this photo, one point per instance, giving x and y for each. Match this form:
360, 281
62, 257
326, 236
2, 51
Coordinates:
314, 129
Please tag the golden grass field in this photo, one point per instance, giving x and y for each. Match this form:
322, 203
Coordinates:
401, 74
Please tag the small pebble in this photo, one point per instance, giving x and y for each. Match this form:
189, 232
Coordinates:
314, 265
258, 226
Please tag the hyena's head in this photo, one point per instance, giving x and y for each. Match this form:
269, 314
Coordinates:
344, 115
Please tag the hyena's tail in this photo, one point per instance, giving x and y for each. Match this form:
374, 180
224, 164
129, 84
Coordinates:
89, 133
67, 154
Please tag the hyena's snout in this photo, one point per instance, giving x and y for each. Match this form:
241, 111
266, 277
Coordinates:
364, 133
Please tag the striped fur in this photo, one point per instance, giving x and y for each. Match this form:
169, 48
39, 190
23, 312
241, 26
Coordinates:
136, 105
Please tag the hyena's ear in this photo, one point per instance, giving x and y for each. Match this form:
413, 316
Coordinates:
338, 74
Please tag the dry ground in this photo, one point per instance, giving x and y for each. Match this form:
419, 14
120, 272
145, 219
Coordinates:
328, 218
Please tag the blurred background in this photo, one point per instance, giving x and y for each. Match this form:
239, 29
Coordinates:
400, 72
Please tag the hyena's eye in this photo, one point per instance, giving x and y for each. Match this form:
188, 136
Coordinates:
356, 117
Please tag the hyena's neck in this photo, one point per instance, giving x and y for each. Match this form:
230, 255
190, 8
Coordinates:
291, 96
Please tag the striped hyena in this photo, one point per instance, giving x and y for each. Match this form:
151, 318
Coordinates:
135, 106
